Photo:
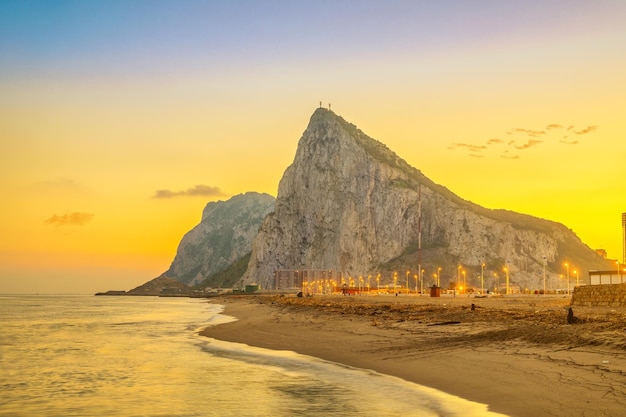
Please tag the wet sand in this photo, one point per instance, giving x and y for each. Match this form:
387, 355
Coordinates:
517, 354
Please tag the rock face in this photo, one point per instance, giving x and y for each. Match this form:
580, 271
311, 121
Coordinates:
224, 236
349, 204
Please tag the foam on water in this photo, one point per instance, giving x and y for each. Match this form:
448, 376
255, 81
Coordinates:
382, 394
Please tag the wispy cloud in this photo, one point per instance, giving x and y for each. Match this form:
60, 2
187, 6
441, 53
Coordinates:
550, 133
469, 146
197, 191
69, 219
588, 129
529, 144
494, 141
528, 132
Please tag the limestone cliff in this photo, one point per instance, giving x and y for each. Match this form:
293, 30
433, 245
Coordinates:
349, 204
224, 236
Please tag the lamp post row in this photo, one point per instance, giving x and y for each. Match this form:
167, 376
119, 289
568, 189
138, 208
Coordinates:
437, 276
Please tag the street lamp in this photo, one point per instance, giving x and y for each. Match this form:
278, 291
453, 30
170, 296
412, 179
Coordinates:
544, 275
567, 268
407, 281
482, 278
422, 281
439, 277
395, 280
506, 271
464, 280
576, 273
497, 280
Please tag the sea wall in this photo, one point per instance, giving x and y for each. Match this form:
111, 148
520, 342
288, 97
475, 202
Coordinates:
607, 295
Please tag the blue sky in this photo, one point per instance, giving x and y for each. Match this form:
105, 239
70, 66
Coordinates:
105, 102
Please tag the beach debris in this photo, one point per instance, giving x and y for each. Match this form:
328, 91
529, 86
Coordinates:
570, 316
445, 323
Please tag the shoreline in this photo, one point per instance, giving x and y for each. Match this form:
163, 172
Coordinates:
518, 355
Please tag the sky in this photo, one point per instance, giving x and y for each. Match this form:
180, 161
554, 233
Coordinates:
121, 120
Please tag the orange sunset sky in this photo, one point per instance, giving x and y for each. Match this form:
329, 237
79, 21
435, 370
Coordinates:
120, 120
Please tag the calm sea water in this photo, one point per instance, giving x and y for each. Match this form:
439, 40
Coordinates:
141, 356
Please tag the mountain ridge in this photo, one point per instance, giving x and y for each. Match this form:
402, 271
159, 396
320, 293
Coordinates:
349, 204
223, 236
375, 191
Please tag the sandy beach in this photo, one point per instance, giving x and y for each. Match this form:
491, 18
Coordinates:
518, 354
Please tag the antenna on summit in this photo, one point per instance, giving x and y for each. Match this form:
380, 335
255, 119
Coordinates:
328, 106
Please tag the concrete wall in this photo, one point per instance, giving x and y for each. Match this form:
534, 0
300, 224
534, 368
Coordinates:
607, 277
609, 295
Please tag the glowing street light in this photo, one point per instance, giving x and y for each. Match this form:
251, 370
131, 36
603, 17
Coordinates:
482, 278
464, 281
407, 281
506, 271
576, 273
545, 260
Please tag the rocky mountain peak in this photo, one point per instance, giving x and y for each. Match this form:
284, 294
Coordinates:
348, 204
223, 236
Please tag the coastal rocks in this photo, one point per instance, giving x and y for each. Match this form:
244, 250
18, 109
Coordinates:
223, 236
350, 205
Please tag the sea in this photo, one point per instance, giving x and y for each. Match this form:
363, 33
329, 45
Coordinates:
142, 356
